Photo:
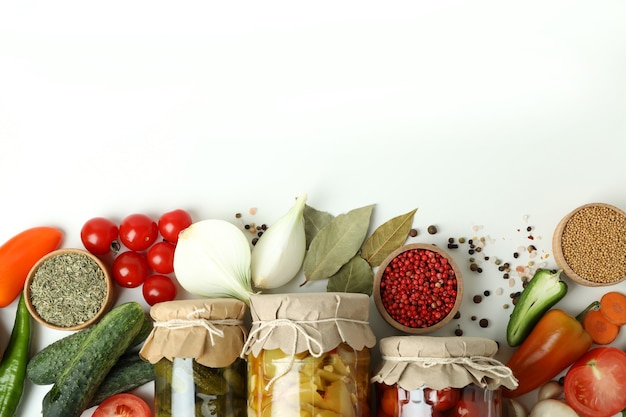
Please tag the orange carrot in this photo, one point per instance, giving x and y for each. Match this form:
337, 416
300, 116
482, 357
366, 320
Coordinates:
613, 306
601, 330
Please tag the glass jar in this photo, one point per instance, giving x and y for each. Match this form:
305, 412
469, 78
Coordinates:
309, 355
195, 347
422, 376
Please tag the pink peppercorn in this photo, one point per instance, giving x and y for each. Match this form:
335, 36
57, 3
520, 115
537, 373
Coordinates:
418, 288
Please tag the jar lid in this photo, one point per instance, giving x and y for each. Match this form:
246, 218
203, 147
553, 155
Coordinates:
413, 362
209, 330
317, 322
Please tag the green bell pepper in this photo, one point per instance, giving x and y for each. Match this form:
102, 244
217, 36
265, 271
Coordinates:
543, 291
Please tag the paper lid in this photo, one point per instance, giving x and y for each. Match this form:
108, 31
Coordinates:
317, 322
413, 362
209, 330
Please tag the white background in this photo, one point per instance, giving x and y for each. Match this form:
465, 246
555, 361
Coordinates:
487, 116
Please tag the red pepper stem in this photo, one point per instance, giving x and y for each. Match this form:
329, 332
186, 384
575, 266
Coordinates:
593, 306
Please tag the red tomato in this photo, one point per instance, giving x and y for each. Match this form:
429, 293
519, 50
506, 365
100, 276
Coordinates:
124, 405
468, 408
389, 402
99, 235
138, 231
595, 385
130, 269
161, 257
172, 223
443, 399
158, 288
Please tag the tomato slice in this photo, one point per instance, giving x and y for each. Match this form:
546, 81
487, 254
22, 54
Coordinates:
595, 385
124, 405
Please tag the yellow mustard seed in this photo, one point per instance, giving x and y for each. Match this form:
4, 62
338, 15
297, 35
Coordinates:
594, 244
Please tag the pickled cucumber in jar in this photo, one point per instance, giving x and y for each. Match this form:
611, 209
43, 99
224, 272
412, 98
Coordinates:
185, 388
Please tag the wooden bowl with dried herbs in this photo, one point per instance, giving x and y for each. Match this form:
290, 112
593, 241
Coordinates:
589, 243
69, 289
418, 288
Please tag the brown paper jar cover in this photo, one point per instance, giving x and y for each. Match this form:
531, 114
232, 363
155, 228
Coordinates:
317, 322
209, 330
413, 362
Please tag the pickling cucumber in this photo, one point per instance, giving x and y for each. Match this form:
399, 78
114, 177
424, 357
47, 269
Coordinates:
78, 382
129, 372
46, 365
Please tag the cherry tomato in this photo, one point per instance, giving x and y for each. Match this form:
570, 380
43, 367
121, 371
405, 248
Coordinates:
172, 223
443, 399
469, 408
158, 288
138, 231
161, 257
130, 269
595, 385
99, 236
124, 405
389, 403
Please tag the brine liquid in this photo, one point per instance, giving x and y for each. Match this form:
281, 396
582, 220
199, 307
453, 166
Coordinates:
335, 384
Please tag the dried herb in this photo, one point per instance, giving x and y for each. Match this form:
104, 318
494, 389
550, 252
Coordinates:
68, 289
336, 243
355, 276
314, 221
386, 238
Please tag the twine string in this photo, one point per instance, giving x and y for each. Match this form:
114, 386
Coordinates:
477, 363
193, 320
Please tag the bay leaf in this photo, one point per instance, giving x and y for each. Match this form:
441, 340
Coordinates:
355, 276
336, 243
388, 237
314, 221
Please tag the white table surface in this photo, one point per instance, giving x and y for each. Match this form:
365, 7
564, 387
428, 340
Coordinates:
486, 116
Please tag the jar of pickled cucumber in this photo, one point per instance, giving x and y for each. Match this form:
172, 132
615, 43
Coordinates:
195, 347
309, 355
422, 376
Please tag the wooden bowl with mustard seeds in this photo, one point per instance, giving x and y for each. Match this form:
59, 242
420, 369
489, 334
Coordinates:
418, 288
589, 244
69, 289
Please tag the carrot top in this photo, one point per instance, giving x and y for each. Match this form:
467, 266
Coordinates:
613, 306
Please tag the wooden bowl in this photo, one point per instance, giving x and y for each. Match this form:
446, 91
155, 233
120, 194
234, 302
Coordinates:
589, 244
380, 276
51, 284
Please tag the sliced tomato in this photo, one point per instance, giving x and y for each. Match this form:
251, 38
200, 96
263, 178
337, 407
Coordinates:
595, 385
124, 405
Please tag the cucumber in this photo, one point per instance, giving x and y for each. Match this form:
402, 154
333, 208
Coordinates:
79, 381
46, 365
129, 372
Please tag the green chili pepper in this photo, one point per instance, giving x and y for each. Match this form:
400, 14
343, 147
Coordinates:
543, 291
14, 361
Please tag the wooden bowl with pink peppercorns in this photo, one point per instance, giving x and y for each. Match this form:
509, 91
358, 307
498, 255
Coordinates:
418, 288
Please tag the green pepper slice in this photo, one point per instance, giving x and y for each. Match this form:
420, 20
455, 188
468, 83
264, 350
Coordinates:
543, 291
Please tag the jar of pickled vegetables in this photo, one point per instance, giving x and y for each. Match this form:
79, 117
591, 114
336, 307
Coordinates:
195, 347
309, 355
422, 376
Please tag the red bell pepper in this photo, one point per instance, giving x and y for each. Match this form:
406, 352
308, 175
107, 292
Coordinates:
556, 341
